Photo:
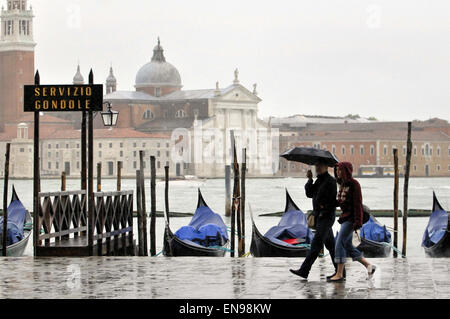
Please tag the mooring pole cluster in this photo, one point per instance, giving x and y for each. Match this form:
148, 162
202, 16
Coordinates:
153, 206
238, 201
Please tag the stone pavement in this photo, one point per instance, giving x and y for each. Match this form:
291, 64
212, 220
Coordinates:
227, 278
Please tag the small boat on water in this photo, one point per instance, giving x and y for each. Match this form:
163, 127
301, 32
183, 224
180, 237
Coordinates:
375, 239
290, 238
19, 226
206, 235
436, 239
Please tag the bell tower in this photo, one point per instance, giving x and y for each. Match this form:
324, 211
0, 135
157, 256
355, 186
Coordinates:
16, 58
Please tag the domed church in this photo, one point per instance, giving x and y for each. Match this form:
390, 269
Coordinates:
160, 105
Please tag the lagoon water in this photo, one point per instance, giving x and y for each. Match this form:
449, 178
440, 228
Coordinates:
268, 195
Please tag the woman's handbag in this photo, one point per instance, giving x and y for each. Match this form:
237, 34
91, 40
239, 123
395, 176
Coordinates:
356, 240
311, 219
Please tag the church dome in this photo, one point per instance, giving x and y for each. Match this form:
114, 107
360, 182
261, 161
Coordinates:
158, 72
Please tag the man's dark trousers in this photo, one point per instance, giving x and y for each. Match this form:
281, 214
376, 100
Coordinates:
322, 236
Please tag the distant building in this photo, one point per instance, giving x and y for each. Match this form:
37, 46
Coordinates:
159, 105
369, 146
291, 125
61, 151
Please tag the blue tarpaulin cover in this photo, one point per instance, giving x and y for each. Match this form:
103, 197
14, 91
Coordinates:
16, 220
206, 229
375, 232
293, 224
437, 224
436, 228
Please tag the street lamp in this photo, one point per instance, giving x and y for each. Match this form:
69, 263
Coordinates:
109, 117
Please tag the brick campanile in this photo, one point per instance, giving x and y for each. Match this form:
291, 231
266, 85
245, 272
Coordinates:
16, 58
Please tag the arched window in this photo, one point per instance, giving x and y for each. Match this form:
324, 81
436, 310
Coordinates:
180, 114
148, 115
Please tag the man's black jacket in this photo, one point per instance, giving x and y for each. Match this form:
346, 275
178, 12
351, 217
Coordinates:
323, 192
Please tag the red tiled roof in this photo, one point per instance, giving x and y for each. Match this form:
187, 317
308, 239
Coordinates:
387, 135
103, 133
45, 118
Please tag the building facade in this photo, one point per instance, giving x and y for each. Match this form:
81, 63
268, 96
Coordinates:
370, 146
60, 151
16, 59
202, 119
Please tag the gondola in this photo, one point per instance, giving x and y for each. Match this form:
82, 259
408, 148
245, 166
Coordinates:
19, 218
436, 239
276, 242
184, 243
375, 240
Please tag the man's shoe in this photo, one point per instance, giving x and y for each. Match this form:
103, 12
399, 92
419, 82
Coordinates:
298, 273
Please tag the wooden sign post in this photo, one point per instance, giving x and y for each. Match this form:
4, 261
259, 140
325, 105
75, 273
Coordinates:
65, 98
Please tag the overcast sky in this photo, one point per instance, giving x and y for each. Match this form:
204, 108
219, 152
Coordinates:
388, 59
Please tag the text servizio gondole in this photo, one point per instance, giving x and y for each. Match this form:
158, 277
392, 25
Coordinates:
73, 92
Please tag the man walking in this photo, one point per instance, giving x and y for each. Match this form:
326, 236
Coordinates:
323, 193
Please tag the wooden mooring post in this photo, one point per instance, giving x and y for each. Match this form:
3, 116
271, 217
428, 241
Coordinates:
143, 204
166, 192
405, 189
153, 206
119, 176
99, 177
243, 175
227, 191
139, 214
396, 178
5, 201
63, 181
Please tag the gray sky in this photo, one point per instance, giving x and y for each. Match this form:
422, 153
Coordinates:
388, 59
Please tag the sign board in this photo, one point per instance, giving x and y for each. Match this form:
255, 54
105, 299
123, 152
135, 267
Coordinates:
63, 98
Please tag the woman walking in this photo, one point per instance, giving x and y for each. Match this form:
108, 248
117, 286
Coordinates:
350, 202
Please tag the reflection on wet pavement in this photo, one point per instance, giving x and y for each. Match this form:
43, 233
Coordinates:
228, 278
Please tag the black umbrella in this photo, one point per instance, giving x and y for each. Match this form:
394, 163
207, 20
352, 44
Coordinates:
310, 156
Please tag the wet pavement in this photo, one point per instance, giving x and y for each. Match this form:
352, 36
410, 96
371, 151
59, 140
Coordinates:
227, 278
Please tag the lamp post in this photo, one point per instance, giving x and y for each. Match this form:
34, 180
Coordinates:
109, 116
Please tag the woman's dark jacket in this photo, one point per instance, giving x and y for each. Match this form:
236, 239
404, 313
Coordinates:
350, 197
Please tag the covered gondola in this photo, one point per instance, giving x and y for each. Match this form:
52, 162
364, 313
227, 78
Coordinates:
375, 239
436, 239
19, 227
290, 238
206, 235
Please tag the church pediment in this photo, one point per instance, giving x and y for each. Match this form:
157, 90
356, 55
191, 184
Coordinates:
238, 93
